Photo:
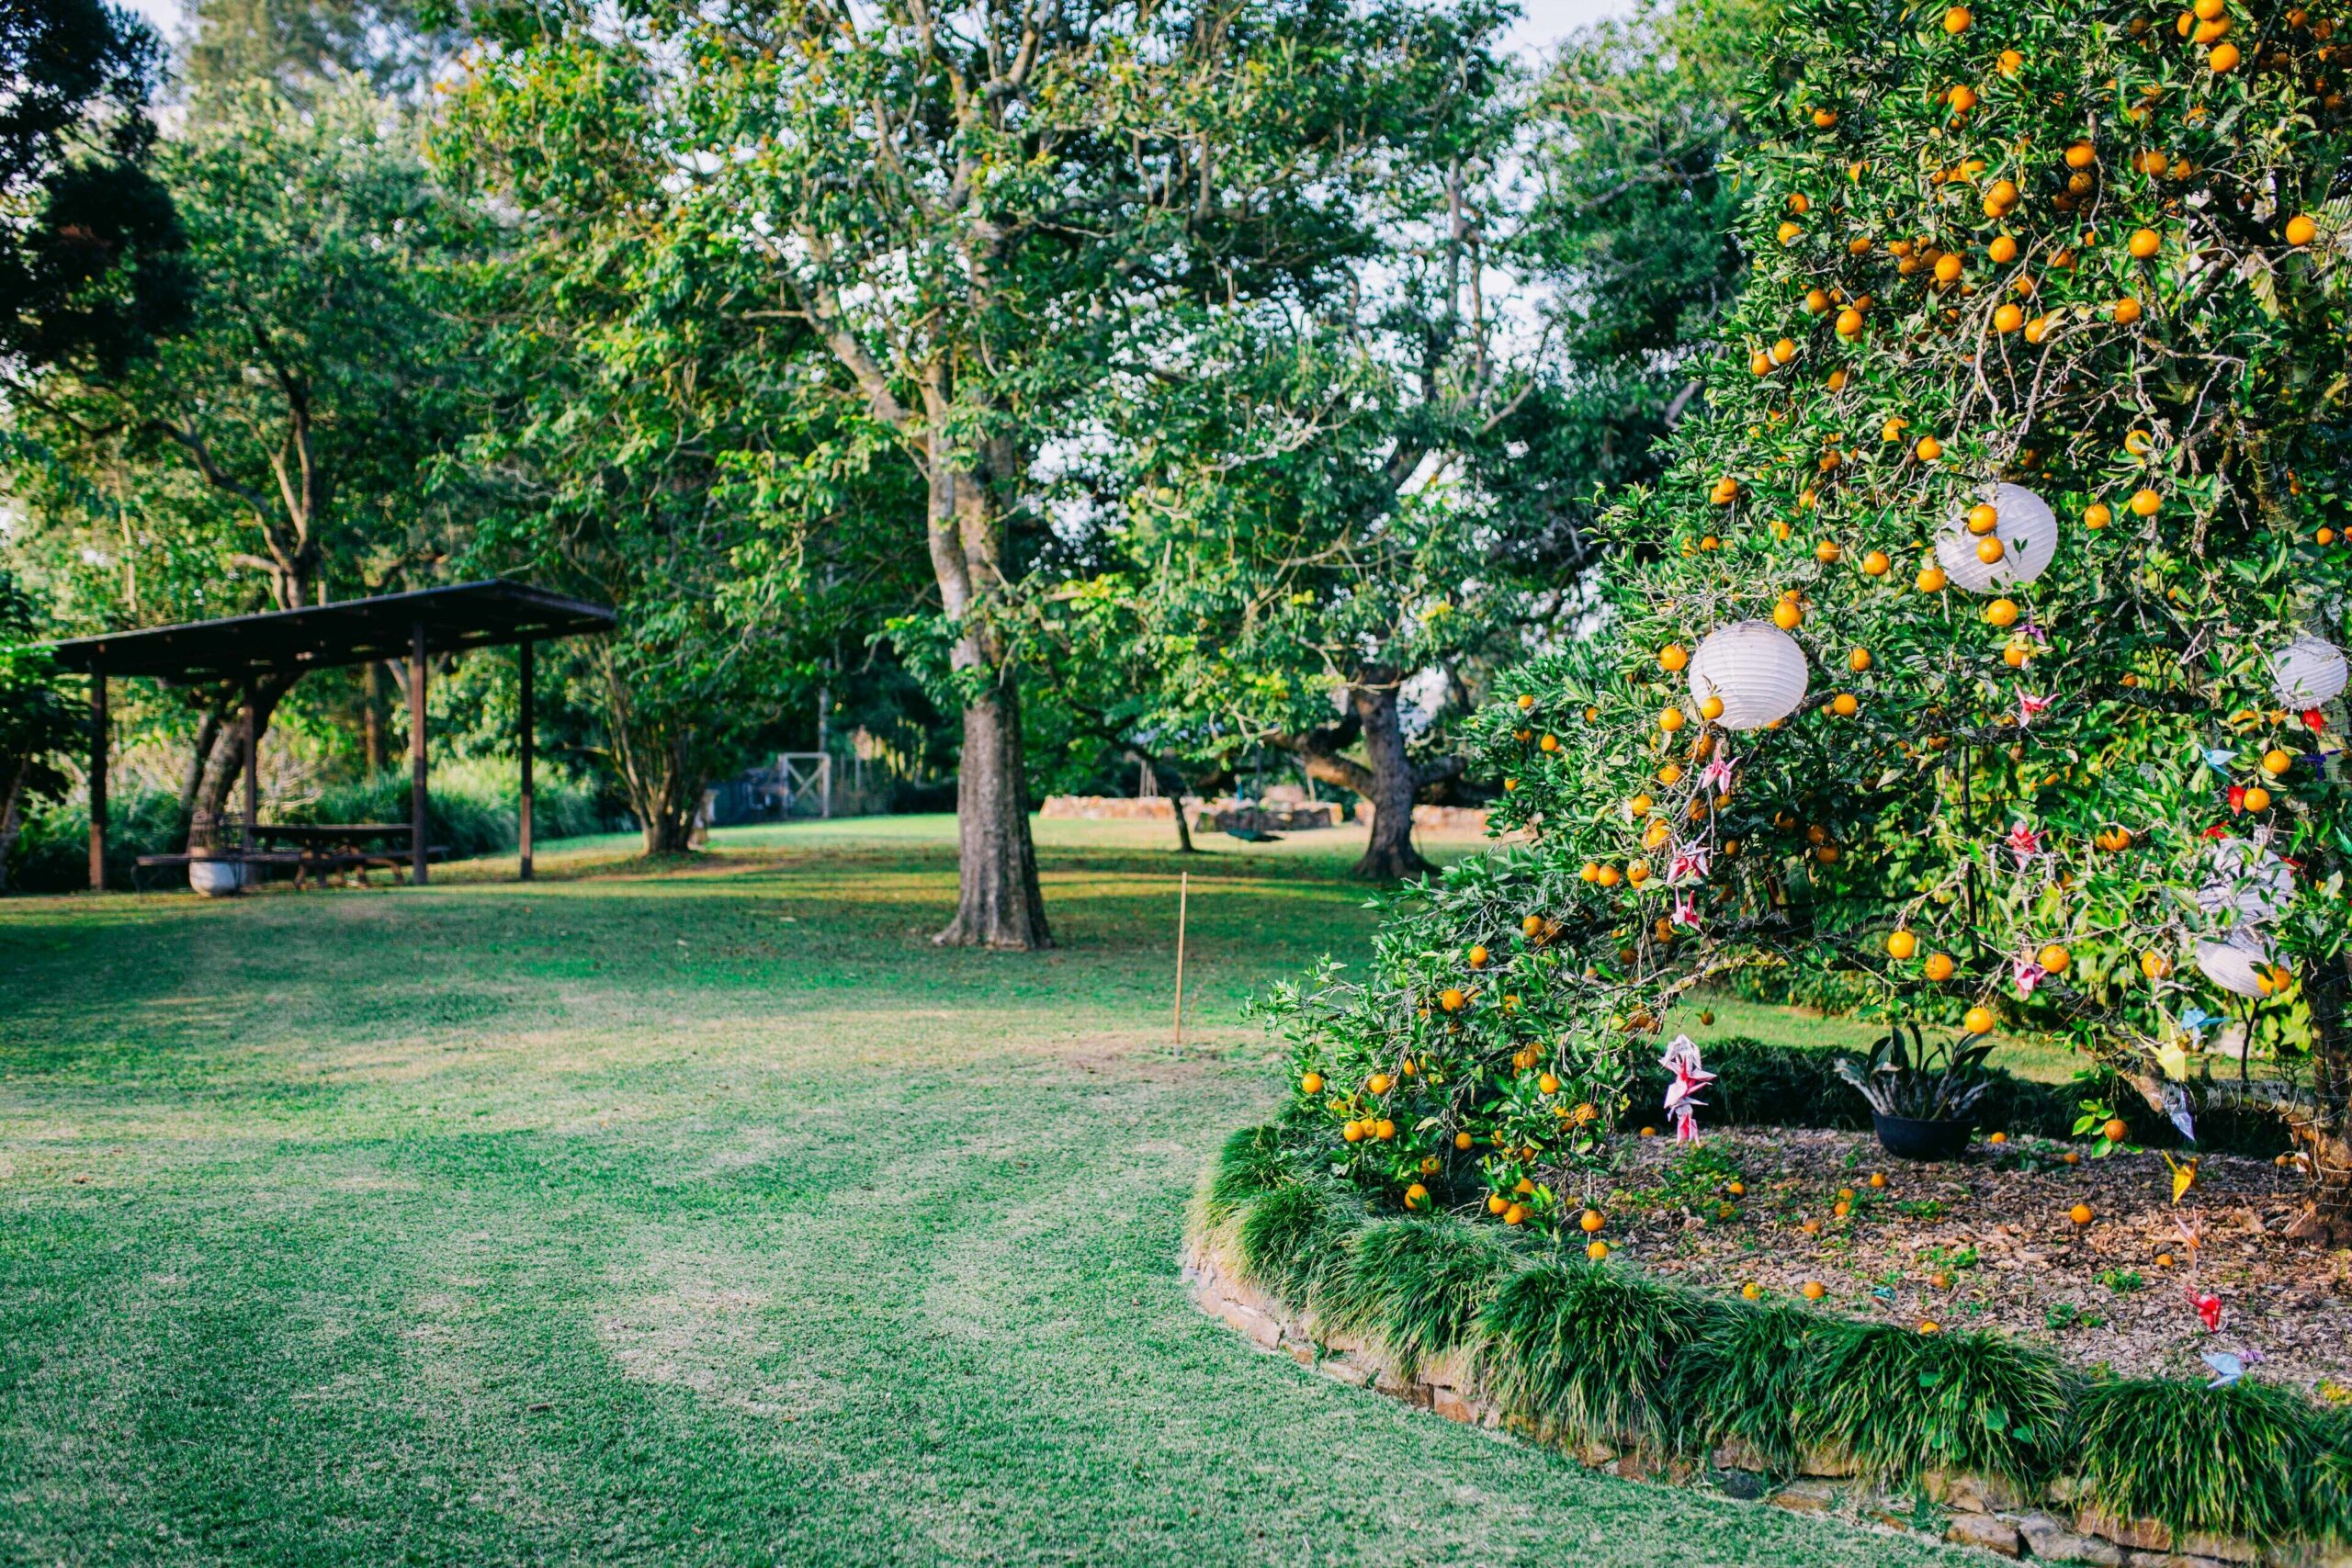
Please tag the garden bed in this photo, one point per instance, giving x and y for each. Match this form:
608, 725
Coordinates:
1988, 1242
1988, 1437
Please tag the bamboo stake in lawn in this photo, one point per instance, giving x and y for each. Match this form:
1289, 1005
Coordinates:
1184, 896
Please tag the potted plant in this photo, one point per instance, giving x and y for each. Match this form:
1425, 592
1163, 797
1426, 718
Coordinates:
1920, 1095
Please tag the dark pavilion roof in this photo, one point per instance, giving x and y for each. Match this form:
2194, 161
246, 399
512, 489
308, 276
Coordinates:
490, 613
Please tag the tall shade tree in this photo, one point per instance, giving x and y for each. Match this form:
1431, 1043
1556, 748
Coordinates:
1397, 491
970, 205
641, 430
1628, 142
273, 451
1983, 641
1281, 580
301, 48
90, 255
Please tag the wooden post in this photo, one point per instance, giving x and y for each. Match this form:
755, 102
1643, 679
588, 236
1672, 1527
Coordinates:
98, 781
1184, 898
253, 784
523, 804
417, 832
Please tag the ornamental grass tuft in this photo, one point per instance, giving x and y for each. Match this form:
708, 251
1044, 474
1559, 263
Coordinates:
1288, 1236
1587, 1351
1739, 1380
1901, 1403
1417, 1285
1253, 1162
2252, 1459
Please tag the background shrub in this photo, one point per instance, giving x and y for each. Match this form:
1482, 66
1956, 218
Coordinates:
53, 853
472, 809
1797, 1086
472, 806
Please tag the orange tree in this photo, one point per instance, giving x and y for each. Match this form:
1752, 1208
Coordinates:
2019, 474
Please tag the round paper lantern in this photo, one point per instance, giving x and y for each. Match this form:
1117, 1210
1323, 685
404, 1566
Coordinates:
2238, 968
1756, 669
2026, 528
2308, 672
2248, 879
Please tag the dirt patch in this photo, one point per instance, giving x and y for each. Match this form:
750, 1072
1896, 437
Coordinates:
1993, 1240
1156, 1062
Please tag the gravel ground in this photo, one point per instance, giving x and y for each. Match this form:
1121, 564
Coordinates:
1990, 1241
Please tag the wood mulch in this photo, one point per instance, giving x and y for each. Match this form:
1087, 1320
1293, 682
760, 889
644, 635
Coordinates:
1996, 1225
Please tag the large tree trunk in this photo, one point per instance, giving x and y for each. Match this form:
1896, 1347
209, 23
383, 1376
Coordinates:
12, 821
1183, 828
199, 757
2326, 1137
998, 901
1386, 780
224, 768
1389, 855
669, 828
665, 797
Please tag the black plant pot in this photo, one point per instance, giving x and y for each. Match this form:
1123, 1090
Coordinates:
1907, 1137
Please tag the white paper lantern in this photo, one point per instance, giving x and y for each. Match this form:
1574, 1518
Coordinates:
2308, 672
2026, 528
1757, 669
2237, 967
2248, 880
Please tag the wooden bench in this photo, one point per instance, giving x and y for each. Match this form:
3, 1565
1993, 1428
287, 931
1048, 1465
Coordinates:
324, 861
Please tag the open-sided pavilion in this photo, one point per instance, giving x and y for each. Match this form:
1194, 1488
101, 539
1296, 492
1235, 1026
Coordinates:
244, 650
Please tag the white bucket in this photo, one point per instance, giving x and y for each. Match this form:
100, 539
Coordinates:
219, 878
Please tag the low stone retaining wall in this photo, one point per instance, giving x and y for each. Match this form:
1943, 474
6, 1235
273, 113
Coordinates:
1110, 807
1449, 819
1966, 1509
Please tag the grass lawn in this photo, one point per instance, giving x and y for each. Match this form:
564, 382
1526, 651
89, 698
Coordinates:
699, 1215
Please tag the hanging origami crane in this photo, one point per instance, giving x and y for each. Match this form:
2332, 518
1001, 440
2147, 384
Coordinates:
2227, 1367
1682, 1100
1686, 913
1689, 863
2030, 708
2176, 1107
2184, 1174
2023, 842
2220, 758
2207, 1305
1717, 774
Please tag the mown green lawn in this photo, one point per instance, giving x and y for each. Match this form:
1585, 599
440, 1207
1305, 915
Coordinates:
705, 1214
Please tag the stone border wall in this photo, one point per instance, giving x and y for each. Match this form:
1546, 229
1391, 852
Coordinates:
1110, 807
1968, 1510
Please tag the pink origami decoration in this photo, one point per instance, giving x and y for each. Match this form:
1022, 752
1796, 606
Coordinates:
1682, 1100
2023, 842
1689, 863
2029, 973
2030, 708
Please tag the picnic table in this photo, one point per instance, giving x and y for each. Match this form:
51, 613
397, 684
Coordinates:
320, 849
